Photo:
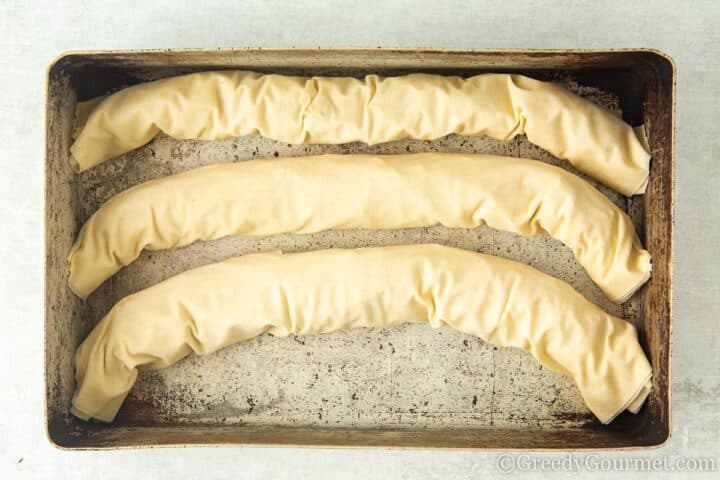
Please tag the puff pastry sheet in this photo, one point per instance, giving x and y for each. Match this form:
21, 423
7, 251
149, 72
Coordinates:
308, 194
215, 105
503, 302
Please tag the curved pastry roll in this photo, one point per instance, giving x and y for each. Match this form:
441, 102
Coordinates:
503, 302
308, 194
215, 105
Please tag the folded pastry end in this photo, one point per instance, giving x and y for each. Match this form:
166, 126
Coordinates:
636, 400
74, 164
72, 285
76, 412
639, 400
642, 138
642, 277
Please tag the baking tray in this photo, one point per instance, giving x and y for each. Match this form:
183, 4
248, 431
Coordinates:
409, 386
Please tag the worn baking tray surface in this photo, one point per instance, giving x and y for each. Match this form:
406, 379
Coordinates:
404, 386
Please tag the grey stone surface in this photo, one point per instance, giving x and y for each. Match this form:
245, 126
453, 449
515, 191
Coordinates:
32, 33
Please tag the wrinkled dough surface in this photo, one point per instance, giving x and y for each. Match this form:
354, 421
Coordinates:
216, 105
309, 194
500, 301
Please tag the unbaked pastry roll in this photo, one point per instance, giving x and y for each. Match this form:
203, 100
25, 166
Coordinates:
215, 105
308, 194
503, 302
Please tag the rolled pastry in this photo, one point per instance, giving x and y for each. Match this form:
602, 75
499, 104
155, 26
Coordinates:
215, 105
503, 302
308, 194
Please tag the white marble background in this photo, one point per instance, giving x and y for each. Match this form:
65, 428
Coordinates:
33, 32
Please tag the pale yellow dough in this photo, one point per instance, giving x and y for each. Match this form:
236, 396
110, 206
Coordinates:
308, 194
215, 105
503, 302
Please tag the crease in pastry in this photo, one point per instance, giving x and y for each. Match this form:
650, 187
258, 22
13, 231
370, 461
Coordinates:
323, 110
503, 302
309, 194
